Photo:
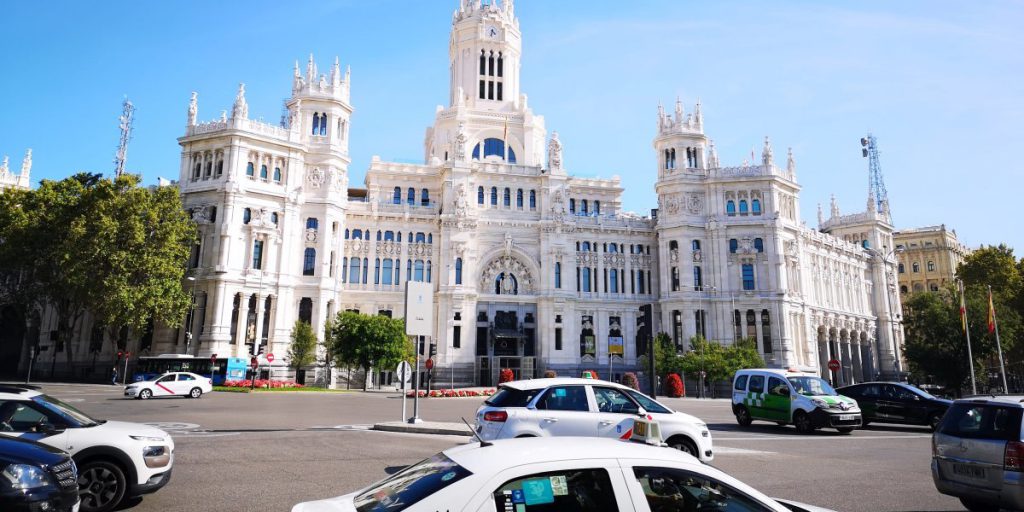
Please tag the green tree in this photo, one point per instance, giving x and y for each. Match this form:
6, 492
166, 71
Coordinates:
666, 360
302, 351
369, 341
720, 362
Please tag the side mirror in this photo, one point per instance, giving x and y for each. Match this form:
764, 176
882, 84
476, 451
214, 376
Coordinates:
531, 407
641, 411
50, 428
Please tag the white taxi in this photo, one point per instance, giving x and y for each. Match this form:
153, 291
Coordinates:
564, 406
189, 385
565, 475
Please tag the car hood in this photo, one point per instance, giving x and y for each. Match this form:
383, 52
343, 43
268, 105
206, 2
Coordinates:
339, 504
131, 429
796, 506
679, 416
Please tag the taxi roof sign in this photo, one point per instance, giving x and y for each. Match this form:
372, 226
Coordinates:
646, 431
587, 375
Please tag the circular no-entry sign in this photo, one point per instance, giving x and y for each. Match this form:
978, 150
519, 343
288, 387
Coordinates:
430, 364
833, 365
270, 357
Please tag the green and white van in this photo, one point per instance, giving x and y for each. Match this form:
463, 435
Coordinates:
791, 397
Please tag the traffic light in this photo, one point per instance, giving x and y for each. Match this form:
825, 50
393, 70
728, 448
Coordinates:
119, 355
433, 349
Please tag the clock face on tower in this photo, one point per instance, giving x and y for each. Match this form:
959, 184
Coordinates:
491, 32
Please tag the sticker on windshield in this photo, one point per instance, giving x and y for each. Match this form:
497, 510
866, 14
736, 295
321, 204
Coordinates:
517, 496
559, 392
538, 491
448, 476
558, 486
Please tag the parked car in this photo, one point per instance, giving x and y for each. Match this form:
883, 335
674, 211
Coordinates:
790, 397
978, 453
558, 474
186, 384
563, 406
35, 477
896, 402
115, 459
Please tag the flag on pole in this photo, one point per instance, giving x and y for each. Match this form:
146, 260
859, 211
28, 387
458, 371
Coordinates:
963, 310
991, 313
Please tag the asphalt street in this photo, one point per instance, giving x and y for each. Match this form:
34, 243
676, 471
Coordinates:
268, 451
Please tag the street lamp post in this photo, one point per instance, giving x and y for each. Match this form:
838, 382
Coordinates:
191, 317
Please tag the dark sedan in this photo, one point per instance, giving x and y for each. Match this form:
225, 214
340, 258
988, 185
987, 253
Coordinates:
35, 477
896, 402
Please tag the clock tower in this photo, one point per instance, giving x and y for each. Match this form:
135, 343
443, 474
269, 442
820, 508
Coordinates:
484, 54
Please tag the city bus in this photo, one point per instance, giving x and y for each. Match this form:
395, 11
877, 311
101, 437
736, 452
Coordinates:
222, 368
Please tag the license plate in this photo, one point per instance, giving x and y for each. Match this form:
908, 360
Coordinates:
847, 417
969, 471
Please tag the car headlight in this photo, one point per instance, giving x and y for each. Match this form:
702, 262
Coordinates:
149, 439
24, 476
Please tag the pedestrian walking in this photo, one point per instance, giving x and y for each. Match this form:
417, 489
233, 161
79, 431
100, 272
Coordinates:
113, 376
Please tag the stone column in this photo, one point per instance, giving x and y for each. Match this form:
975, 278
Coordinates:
858, 369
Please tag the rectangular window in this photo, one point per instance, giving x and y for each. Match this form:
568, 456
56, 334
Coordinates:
482, 86
457, 336
558, 275
698, 281
748, 276
257, 254
675, 279
558, 338
615, 280
499, 91
387, 272
640, 281
490, 89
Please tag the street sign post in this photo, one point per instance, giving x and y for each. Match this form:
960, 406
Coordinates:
404, 372
833, 365
270, 357
419, 321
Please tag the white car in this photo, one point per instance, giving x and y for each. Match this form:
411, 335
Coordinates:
564, 475
584, 407
116, 460
189, 385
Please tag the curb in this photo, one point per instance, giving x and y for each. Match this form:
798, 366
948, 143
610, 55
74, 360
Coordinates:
423, 428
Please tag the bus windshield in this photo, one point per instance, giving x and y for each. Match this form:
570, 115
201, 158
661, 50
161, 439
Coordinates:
812, 386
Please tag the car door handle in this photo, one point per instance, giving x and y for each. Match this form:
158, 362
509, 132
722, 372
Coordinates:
551, 420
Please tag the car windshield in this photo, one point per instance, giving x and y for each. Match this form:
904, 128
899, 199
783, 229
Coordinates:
812, 386
647, 403
70, 414
411, 485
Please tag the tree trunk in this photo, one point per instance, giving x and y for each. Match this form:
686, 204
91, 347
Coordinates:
366, 372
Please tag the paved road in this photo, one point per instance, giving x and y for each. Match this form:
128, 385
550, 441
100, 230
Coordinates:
266, 452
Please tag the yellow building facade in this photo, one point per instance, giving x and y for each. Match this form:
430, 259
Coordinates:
928, 258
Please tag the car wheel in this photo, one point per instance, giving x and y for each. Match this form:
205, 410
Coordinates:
145, 394
933, 421
975, 506
844, 430
802, 421
684, 445
743, 417
101, 486
195, 393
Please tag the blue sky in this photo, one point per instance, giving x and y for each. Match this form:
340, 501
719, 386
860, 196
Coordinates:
940, 83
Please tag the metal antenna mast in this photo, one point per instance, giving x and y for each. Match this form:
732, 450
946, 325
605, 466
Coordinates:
127, 114
876, 185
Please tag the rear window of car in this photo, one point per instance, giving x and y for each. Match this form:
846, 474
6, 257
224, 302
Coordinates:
511, 397
411, 485
982, 421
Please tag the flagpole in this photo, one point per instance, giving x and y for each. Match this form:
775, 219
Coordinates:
967, 331
999, 346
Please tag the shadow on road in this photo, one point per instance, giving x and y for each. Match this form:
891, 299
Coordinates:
782, 430
129, 503
910, 429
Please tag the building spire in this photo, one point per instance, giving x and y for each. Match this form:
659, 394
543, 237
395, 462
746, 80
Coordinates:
835, 207
790, 162
821, 216
336, 72
310, 69
767, 155
240, 110
4, 166
712, 155
698, 118
26, 164
679, 110
193, 109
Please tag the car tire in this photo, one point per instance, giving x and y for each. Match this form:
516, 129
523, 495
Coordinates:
933, 421
684, 445
101, 485
802, 422
195, 393
975, 506
145, 394
743, 417
844, 430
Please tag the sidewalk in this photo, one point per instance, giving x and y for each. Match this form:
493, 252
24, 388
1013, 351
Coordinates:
425, 427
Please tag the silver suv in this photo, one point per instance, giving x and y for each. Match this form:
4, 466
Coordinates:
978, 453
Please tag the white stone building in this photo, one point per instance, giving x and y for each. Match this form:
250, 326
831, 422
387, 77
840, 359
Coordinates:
533, 268
21, 180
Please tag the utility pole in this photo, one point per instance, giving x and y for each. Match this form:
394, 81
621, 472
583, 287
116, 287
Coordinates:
127, 116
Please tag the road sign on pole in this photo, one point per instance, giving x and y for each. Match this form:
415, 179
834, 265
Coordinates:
404, 373
270, 357
419, 321
833, 365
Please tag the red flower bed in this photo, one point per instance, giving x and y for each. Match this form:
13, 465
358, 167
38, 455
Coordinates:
453, 393
506, 376
262, 384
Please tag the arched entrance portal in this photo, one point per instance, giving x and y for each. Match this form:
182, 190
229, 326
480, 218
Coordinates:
12, 337
506, 324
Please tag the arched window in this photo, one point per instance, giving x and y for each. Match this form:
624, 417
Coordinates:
916, 266
479, 195
766, 332
613, 248
357, 234
309, 262
250, 169
597, 207
398, 237
519, 199
277, 174
411, 196
931, 266
730, 208
865, 244
316, 123
583, 207
424, 197
533, 199
759, 245
673, 245
458, 270
695, 245
493, 147
903, 269
572, 205
755, 206
903, 289
246, 215
306, 310
386, 273
312, 223
558, 275
389, 236
418, 271
507, 197
743, 207
421, 238
273, 218
263, 172
397, 198
430, 238
346, 234
586, 246
220, 167
323, 124
494, 196
506, 284
209, 169
733, 245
